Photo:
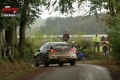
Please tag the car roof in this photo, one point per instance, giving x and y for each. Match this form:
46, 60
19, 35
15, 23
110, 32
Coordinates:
57, 42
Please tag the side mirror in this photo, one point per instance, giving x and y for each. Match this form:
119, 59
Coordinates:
38, 50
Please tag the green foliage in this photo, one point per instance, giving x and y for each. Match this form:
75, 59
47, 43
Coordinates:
36, 40
7, 22
114, 35
91, 55
28, 51
64, 6
96, 6
82, 44
32, 45
10, 22
16, 55
96, 57
31, 9
85, 45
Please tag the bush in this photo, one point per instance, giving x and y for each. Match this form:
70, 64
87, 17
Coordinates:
85, 45
113, 32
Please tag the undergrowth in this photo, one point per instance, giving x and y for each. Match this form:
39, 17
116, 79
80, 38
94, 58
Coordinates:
9, 70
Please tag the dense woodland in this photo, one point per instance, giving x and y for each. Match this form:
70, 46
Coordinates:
74, 25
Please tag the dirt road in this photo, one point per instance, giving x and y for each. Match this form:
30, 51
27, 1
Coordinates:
77, 72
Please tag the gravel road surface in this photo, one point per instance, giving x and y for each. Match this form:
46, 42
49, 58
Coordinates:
77, 72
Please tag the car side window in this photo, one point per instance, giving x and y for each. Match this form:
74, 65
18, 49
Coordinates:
47, 47
44, 47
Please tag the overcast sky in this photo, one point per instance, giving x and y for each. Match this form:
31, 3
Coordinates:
79, 11
46, 15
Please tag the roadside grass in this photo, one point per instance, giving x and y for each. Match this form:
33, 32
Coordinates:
10, 70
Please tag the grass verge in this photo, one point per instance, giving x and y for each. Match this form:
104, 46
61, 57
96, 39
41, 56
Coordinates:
10, 70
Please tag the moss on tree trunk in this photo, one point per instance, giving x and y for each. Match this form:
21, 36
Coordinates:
9, 36
22, 38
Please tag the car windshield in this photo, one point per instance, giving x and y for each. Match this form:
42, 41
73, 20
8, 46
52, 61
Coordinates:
61, 46
41, 47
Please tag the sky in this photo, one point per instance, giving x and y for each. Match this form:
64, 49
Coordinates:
46, 15
82, 11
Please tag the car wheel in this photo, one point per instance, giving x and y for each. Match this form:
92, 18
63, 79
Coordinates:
46, 64
60, 64
35, 63
72, 63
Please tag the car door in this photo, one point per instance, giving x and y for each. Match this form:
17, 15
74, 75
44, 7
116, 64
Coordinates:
43, 51
46, 48
39, 54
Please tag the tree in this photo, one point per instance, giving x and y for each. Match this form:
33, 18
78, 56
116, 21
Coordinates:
8, 25
30, 10
67, 6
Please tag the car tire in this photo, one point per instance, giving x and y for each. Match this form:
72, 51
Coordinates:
60, 64
72, 62
46, 64
35, 63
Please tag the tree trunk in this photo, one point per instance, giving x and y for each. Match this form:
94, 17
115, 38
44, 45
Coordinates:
22, 28
111, 8
9, 36
16, 55
3, 44
0, 43
22, 38
118, 7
